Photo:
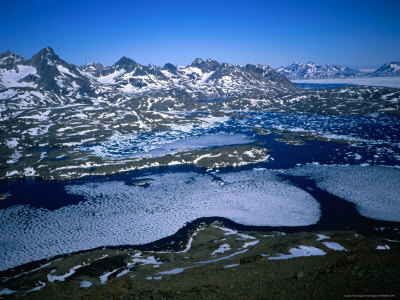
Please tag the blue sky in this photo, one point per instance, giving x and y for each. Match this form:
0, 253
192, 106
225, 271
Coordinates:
352, 32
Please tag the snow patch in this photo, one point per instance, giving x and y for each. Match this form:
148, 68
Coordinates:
298, 252
221, 249
334, 246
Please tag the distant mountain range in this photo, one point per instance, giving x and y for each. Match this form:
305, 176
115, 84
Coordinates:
46, 80
311, 70
203, 79
47, 72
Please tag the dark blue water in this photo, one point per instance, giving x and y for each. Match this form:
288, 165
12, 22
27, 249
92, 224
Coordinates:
369, 134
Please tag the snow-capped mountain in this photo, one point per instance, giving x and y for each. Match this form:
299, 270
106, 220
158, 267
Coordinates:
44, 71
127, 75
203, 79
46, 78
207, 78
311, 70
388, 69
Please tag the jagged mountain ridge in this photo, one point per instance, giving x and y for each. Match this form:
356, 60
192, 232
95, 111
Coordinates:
47, 72
310, 70
47, 81
212, 77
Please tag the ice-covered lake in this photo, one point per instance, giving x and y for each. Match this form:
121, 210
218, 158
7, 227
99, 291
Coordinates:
348, 168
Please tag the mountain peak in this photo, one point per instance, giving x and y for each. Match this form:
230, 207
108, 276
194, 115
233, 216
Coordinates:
197, 62
153, 67
125, 62
93, 66
45, 55
8, 60
48, 51
207, 66
7, 53
170, 67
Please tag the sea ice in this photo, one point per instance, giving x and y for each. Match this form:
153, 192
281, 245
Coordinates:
133, 215
374, 189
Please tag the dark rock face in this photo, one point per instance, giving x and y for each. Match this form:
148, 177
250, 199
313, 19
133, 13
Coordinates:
56, 75
9, 60
206, 66
170, 68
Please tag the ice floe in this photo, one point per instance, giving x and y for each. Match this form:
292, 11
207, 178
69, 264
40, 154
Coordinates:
136, 145
133, 215
374, 190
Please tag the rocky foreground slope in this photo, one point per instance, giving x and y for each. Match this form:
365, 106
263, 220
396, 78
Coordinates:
218, 263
